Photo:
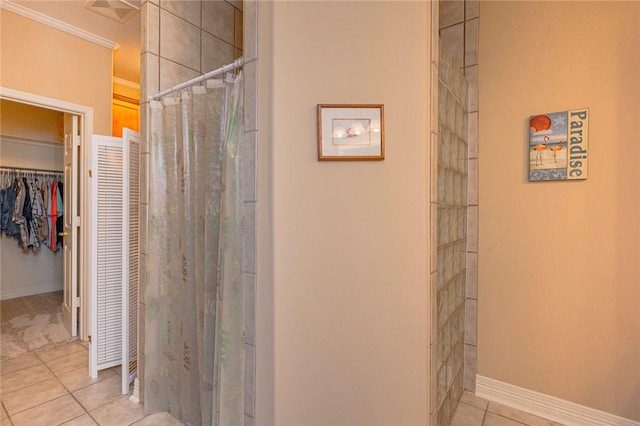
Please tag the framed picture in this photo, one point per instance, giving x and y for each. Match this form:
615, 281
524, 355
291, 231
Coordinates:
559, 145
350, 132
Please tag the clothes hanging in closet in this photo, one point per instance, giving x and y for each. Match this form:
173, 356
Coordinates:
32, 211
60, 214
8, 226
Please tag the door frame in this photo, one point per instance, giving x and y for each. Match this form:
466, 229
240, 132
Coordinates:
85, 113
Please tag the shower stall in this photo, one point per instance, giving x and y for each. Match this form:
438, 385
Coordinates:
454, 205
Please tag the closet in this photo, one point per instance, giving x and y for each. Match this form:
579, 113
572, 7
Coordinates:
30, 144
115, 199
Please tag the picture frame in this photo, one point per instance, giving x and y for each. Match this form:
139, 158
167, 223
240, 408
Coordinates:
350, 132
559, 145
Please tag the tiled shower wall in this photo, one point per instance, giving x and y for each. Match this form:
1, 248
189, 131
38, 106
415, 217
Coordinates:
453, 204
451, 219
181, 40
458, 28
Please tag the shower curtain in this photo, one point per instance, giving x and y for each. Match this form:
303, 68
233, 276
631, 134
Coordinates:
194, 305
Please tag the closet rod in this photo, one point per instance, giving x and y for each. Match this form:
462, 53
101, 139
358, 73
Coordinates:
28, 169
219, 71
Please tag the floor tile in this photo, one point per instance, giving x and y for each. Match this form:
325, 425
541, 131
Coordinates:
57, 297
491, 419
83, 420
25, 377
118, 370
53, 412
467, 415
19, 363
12, 308
520, 416
158, 419
69, 362
77, 379
98, 394
59, 352
471, 399
43, 303
33, 395
119, 412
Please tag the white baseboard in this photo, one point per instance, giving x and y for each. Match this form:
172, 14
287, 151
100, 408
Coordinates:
548, 407
13, 292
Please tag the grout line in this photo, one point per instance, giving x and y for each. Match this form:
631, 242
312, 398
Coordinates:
449, 26
37, 353
20, 369
22, 386
464, 37
44, 402
509, 418
82, 406
5, 411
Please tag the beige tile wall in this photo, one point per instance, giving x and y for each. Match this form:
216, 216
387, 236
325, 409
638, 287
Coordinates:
459, 32
181, 40
455, 24
451, 202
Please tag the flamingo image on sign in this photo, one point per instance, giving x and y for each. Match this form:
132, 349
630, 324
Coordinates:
558, 145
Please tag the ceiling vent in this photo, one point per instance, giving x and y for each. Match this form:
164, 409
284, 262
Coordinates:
118, 10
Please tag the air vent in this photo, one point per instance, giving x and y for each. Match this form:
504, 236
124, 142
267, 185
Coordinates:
118, 10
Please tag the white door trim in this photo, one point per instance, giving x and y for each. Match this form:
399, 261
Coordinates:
86, 130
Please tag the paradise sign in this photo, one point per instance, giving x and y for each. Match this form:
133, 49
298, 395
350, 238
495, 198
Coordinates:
559, 145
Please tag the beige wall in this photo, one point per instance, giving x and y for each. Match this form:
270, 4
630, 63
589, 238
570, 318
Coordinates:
558, 261
348, 298
39, 59
29, 122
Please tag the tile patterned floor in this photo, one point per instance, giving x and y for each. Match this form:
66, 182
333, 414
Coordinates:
474, 411
36, 303
31, 323
52, 387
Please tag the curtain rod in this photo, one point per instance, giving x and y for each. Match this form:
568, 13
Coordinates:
28, 169
219, 71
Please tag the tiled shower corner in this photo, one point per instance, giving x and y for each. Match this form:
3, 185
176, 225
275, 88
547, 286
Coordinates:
451, 234
181, 40
454, 204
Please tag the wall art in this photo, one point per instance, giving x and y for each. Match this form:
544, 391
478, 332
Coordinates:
350, 132
559, 145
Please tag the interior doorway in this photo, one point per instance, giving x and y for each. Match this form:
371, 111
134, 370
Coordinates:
76, 130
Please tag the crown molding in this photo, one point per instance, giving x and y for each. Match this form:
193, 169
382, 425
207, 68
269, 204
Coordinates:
57, 24
126, 83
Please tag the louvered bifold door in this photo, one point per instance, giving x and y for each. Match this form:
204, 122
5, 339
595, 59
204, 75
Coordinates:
108, 234
131, 143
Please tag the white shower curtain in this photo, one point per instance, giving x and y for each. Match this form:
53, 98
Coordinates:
194, 305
